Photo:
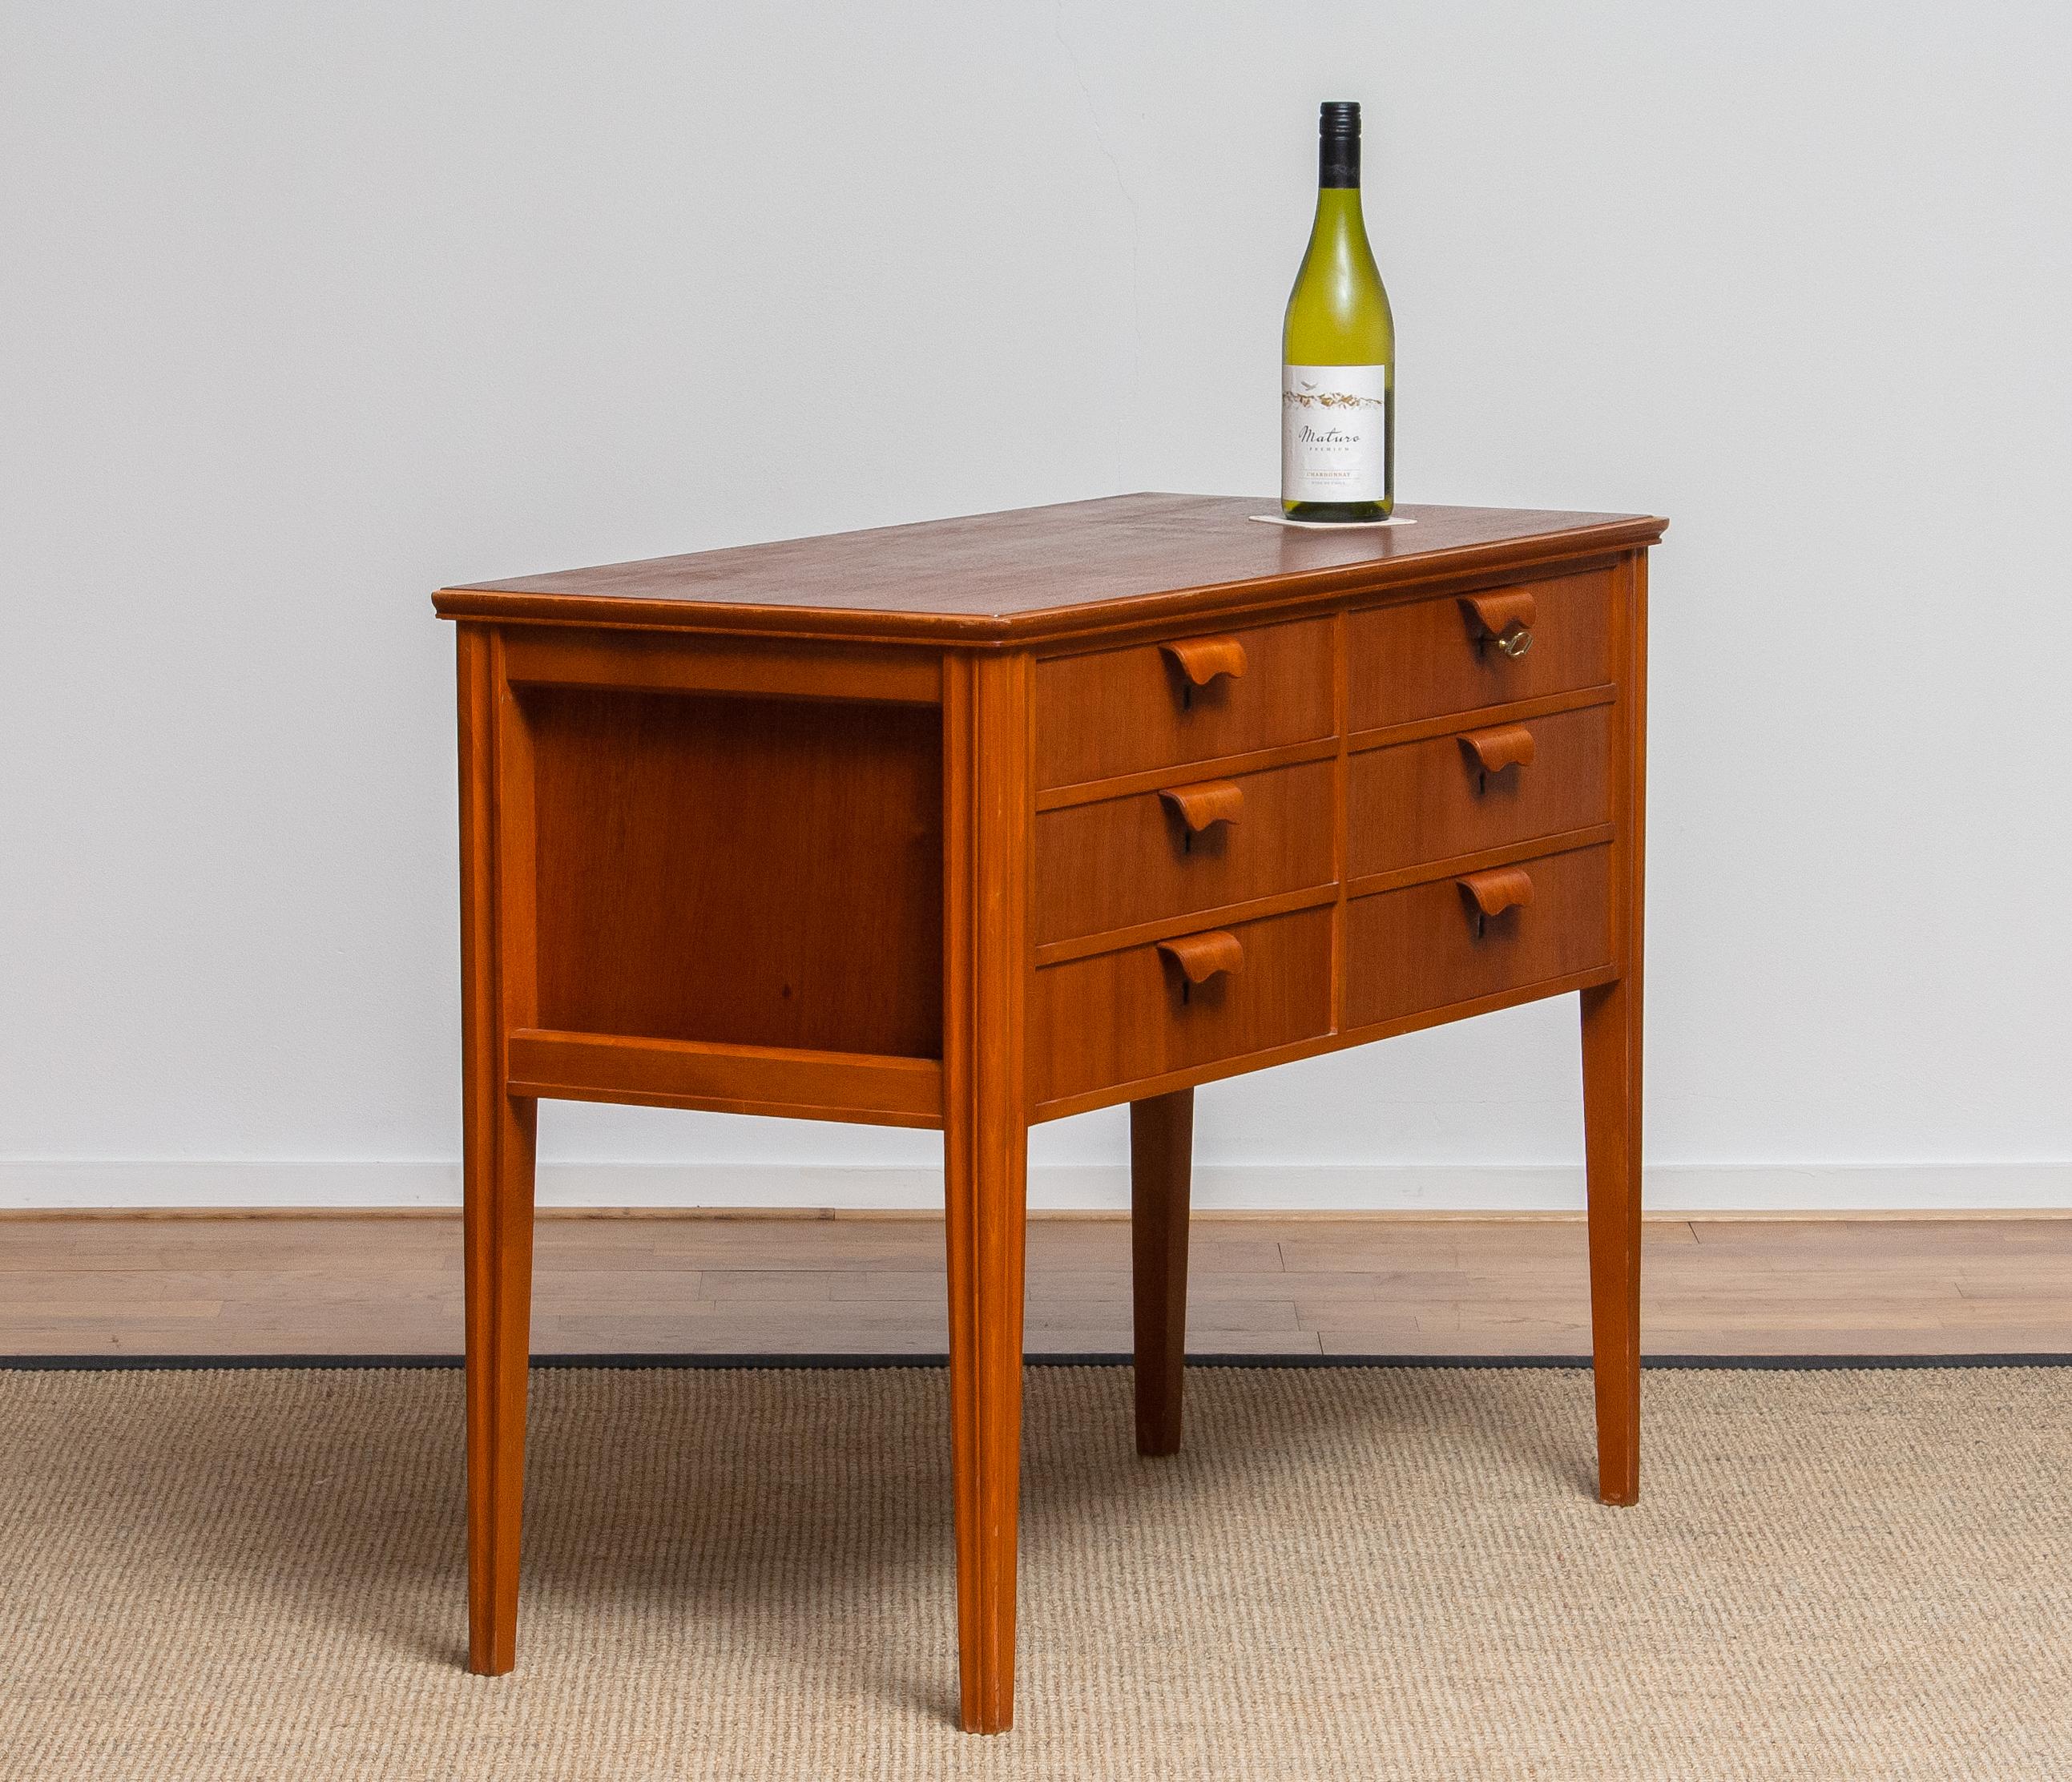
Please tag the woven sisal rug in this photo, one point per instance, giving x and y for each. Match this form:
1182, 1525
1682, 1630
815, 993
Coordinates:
1350, 1572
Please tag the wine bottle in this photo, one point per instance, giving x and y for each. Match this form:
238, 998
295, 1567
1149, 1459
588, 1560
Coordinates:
1338, 352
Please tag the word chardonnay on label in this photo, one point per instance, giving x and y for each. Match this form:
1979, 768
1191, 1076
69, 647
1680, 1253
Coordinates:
1338, 353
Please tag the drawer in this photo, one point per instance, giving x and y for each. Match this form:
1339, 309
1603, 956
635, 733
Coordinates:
1432, 658
1121, 1017
1172, 852
1187, 699
1479, 788
1432, 945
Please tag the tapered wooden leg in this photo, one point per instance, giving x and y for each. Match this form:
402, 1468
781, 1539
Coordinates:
1162, 1143
987, 1187
499, 1294
1611, 1082
497, 1147
988, 815
1611, 1124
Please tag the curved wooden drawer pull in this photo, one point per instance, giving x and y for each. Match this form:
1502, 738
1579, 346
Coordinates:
1501, 619
1212, 801
1493, 892
1200, 956
1201, 659
1512, 746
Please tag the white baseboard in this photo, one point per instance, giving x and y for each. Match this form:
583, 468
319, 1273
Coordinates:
1671, 1188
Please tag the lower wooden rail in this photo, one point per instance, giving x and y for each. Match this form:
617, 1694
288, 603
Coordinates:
683, 1073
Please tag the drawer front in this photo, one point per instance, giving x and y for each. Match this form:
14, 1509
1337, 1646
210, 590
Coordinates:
1429, 946
1197, 846
1479, 788
1433, 658
1121, 1017
1125, 711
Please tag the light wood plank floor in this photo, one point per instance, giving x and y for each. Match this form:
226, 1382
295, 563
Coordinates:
873, 1284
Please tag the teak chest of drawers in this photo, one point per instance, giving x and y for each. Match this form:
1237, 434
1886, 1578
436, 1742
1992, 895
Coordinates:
977, 823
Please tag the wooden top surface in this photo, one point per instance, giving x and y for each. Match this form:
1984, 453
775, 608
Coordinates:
1037, 572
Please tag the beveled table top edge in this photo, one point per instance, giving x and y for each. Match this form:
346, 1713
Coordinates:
519, 600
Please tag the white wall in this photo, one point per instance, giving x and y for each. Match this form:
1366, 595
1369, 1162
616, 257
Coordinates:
310, 309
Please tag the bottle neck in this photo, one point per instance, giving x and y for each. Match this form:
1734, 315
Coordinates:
1337, 160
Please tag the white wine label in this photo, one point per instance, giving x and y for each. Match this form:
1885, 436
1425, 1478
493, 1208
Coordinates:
1334, 433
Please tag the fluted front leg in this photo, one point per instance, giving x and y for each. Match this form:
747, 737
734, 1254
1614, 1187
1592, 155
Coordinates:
986, 825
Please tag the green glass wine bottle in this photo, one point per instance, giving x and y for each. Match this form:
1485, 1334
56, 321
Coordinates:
1338, 352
